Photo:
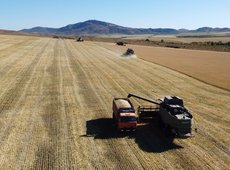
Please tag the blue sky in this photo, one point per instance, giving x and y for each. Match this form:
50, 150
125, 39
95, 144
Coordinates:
190, 14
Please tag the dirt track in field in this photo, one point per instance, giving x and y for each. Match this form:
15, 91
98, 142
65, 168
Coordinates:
207, 66
183, 40
55, 110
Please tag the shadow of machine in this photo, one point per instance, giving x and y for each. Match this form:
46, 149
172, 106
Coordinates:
148, 136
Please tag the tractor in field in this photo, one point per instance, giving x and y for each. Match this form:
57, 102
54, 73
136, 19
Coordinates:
129, 51
172, 115
120, 43
80, 39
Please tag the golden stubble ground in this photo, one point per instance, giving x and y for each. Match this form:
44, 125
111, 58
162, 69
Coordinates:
207, 66
55, 110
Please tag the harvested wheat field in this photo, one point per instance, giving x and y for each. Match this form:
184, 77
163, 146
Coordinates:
55, 110
207, 66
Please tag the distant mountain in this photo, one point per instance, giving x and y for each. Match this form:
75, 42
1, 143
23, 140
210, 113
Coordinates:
210, 29
6, 31
98, 27
95, 27
11, 32
43, 30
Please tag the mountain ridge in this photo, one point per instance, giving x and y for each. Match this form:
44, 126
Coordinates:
90, 27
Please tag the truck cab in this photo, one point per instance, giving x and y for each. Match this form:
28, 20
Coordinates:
124, 114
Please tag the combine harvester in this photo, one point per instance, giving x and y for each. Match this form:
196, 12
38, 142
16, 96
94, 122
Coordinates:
170, 113
129, 51
80, 39
120, 43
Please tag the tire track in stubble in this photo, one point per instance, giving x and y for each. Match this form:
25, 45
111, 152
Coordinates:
36, 85
81, 117
9, 97
119, 89
122, 90
80, 101
116, 88
15, 47
77, 119
113, 144
9, 68
67, 159
98, 111
47, 153
14, 58
20, 89
57, 152
87, 88
13, 95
